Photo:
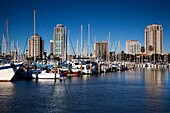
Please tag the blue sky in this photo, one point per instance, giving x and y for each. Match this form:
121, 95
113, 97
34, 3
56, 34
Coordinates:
125, 19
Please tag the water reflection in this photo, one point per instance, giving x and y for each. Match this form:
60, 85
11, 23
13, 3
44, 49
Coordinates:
156, 76
140, 90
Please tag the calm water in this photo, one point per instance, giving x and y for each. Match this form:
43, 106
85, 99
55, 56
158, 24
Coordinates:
138, 91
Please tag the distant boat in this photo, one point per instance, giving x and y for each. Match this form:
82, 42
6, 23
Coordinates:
8, 69
44, 74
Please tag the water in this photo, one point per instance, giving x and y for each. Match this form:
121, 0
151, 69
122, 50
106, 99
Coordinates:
137, 91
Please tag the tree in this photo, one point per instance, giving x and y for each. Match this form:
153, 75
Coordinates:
150, 49
142, 51
122, 55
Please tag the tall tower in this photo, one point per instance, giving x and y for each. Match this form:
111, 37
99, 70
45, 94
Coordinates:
101, 51
154, 37
59, 45
36, 46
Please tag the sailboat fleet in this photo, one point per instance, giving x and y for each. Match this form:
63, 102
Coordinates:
51, 70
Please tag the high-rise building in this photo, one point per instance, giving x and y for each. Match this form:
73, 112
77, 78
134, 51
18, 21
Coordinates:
133, 47
154, 37
59, 44
101, 51
51, 46
36, 43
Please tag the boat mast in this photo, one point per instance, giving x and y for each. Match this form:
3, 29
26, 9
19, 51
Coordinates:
77, 49
68, 44
34, 33
109, 48
8, 45
81, 52
3, 46
89, 40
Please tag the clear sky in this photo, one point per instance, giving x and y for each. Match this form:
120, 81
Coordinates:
125, 19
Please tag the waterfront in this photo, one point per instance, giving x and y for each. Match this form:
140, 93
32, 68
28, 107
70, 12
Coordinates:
141, 90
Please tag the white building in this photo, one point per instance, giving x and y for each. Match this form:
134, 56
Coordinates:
59, 44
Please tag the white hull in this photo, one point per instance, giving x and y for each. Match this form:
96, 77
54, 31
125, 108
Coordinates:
7, 72
44, 75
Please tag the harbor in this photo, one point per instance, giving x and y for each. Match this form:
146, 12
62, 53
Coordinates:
84, 56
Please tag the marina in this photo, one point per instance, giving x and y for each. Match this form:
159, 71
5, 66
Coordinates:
140, 90
84, 56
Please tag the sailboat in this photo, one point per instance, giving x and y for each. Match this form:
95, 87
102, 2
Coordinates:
43, 71
8, 68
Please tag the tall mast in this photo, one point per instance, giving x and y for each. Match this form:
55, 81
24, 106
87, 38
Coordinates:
34, 33
81, 51
77, 49
3, 46
68, 43
109, 48
8, 45
89, 40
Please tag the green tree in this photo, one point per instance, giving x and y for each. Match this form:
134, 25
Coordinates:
122, 55
150, 49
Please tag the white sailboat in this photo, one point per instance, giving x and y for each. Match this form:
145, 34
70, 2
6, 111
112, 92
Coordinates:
8, 68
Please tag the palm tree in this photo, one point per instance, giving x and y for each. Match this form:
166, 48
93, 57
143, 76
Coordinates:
150, 49
142, 51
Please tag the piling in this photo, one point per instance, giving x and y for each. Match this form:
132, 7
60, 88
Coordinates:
98, 68
69, 70
91, 68
81, 69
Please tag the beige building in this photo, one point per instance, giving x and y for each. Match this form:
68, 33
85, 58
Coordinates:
101, 50
133, 47
35, 43
154, 38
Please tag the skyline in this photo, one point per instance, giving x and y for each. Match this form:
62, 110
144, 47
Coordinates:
126, 20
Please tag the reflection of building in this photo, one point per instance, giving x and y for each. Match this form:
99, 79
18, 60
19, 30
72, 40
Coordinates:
59, 45
154, 76
101, 50
133, 47
36, 43
51, 46
153, 37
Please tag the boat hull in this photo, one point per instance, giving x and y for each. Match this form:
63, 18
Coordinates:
8, 71
45, 75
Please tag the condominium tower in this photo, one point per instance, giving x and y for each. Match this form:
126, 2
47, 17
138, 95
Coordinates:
133, 47
35, 43
59, 44
154, 37
101, 51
